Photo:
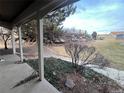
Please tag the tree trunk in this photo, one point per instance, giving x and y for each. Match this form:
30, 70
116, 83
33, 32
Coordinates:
72, 61
5, 44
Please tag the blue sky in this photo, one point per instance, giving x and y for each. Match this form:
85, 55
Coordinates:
102, 16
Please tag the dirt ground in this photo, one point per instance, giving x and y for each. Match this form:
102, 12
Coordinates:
85, 86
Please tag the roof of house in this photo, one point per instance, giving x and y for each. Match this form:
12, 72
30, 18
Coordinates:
117, 33
17, 11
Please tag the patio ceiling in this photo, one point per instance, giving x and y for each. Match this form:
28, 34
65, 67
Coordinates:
16, 12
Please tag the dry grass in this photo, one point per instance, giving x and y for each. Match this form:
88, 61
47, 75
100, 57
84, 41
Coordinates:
60, 50
112, 50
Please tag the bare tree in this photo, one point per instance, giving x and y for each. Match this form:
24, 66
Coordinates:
78, 52
5, 35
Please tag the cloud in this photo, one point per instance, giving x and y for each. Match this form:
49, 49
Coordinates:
78, 23
97, 15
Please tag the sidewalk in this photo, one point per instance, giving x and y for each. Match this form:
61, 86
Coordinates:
114, 74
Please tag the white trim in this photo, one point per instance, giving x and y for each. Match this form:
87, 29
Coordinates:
20, 44
40, 48
13, 42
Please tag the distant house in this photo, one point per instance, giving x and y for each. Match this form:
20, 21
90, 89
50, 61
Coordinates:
118, 35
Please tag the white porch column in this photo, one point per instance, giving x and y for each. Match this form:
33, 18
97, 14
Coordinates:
13, 42
40, 47
20, 44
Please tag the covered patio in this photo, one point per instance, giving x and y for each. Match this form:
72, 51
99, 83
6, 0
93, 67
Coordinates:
14, 13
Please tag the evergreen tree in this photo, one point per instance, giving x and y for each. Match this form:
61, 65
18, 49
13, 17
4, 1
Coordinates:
52, 24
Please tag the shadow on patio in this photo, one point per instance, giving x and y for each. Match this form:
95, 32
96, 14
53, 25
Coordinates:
11, 74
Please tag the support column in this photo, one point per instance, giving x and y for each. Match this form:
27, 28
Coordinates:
13, 42
40, 47
20, 44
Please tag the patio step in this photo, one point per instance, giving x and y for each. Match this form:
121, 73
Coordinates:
11, 74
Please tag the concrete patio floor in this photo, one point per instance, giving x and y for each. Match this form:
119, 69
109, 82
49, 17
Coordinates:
10, 58
11, 74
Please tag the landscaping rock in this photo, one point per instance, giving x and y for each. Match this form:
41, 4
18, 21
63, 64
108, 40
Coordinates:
61, 92
2, 60
69, 83
54, 73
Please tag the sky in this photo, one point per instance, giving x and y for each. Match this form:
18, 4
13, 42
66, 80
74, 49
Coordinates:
102, 16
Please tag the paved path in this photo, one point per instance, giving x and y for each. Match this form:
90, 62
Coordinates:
112, 73
50, 53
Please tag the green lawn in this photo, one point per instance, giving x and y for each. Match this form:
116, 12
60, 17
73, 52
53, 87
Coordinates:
112, 50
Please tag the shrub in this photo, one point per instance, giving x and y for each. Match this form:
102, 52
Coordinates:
78, 52
100, 60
